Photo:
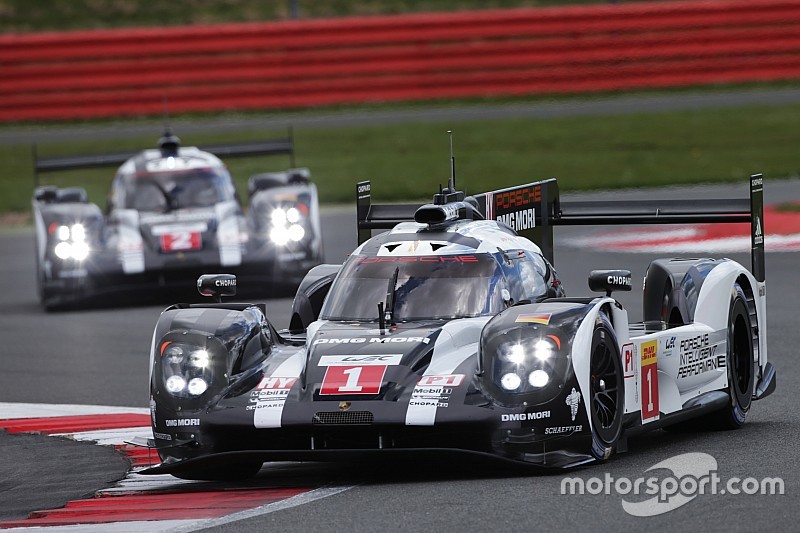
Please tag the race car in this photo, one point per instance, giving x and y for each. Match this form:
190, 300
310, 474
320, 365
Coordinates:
173, 214
451, 333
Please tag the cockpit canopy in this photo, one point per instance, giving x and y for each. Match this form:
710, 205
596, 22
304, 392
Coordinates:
165, 191
435, 286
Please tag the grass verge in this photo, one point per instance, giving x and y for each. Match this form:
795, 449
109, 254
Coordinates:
408, 161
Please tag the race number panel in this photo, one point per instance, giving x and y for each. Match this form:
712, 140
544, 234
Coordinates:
178, 241
353, 379
649, 381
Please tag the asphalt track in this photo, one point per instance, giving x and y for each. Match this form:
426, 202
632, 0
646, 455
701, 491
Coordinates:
99, 356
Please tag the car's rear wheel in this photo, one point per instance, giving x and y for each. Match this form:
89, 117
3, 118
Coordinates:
740, 364
607, 389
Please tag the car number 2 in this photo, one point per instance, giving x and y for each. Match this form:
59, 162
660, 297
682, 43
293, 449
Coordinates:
180, 240
353, 379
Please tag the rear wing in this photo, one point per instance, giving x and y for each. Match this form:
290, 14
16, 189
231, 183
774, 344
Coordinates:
533, 209
281, 146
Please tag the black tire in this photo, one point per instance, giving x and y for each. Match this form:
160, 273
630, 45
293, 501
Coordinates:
607, 388
740, 363
234, 472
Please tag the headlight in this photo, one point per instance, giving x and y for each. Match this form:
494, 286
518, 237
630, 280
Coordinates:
186, 369
524, 364
71, 242
293, 215
279, 236
286, 225
78, 232
296, 232
62, 233
278, 217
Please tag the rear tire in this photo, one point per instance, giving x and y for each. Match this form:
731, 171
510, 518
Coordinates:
740, 364
606, 385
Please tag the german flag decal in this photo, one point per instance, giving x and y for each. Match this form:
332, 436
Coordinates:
538, 318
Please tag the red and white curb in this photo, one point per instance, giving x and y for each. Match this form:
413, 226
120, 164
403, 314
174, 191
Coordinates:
140, 503
782, 235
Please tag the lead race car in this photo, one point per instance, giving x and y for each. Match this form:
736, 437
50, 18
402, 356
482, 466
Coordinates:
451, 333
173, 214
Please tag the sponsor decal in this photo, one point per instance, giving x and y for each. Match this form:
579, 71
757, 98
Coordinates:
539, 318
573, 400
624, 281
181, 422
520, 417
225, 282
449, 380
360, 360
461, 259
519, 220
517, 198
669, 345
698, 355
177, 217
181, 241
758, 236
365, 340
561, 430
363, 190
627, 360
162, 436
276, 382
649, 352
353, 380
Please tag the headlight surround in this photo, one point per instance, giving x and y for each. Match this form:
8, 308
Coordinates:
528, 364
193, 366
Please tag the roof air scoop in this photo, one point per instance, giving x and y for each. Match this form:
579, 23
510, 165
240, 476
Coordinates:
433, 214
169, 144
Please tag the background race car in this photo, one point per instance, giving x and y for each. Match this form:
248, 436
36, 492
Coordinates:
173, 214
452, 334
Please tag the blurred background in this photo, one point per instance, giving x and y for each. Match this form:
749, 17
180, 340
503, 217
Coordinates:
598, 94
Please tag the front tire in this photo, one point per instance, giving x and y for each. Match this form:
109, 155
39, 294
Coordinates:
607, 389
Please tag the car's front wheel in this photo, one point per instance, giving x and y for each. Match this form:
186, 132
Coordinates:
607, 389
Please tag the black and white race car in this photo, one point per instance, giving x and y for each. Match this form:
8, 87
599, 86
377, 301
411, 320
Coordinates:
451, 334
173, 214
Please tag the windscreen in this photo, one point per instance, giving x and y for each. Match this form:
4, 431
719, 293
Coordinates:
428, 287
165, 191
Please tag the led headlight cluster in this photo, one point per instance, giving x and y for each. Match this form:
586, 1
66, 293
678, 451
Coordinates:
187, 369
71, 242
286, 225
526, 365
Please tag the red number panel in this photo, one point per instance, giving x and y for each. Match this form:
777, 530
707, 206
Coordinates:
353, 379
178, 241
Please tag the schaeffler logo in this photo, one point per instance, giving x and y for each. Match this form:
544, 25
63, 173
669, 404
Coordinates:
691, 475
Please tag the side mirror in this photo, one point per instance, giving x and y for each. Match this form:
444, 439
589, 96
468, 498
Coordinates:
217, 285
609, 280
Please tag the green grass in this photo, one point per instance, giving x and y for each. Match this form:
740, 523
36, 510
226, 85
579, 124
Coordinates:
39, 15
408, 161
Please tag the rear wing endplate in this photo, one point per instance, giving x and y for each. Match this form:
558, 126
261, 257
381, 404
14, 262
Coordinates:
533, 209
